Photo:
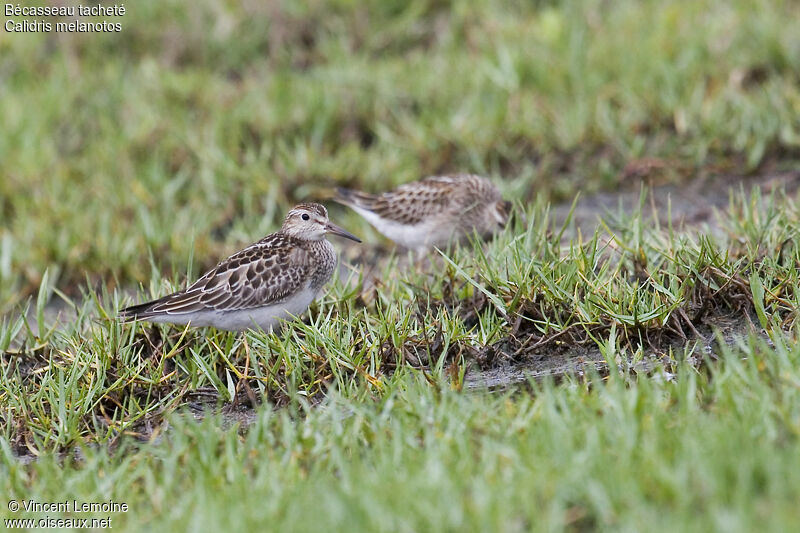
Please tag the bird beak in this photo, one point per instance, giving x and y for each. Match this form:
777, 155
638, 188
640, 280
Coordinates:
330, 227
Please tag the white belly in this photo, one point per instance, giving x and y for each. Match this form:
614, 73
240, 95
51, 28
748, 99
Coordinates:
416, 236
266, 317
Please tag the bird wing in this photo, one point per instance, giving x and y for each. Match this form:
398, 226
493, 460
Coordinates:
410, 203
264, 273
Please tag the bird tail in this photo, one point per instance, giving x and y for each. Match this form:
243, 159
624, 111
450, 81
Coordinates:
138, 311
352, 198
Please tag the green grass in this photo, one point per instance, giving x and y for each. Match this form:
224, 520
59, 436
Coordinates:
643, 288
709, 450
131, 162
197, 126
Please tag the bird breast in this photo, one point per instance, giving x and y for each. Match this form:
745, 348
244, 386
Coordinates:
326, 263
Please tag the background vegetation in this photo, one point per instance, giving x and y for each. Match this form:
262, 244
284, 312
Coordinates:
201, 122
130, 161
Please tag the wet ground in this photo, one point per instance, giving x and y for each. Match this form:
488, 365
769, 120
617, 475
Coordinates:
583, 361
691, 205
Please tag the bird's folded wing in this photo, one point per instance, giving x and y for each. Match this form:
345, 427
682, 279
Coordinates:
415, 202
262, 274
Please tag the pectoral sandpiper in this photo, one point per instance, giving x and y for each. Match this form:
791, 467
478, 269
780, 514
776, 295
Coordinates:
433, 211
271, 280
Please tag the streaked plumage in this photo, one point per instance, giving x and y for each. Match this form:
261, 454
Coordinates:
269, 281
433, 211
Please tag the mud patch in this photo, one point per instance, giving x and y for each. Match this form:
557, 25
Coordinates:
556, 363
690, 206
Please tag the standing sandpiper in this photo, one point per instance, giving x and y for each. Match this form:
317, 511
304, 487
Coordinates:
269, 281
433, 211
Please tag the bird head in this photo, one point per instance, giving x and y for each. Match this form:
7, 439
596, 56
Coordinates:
501, 212
310, 222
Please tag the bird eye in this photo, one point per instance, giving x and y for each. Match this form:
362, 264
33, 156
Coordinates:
305, 216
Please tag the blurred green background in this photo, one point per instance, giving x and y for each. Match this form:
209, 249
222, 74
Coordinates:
200, 123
